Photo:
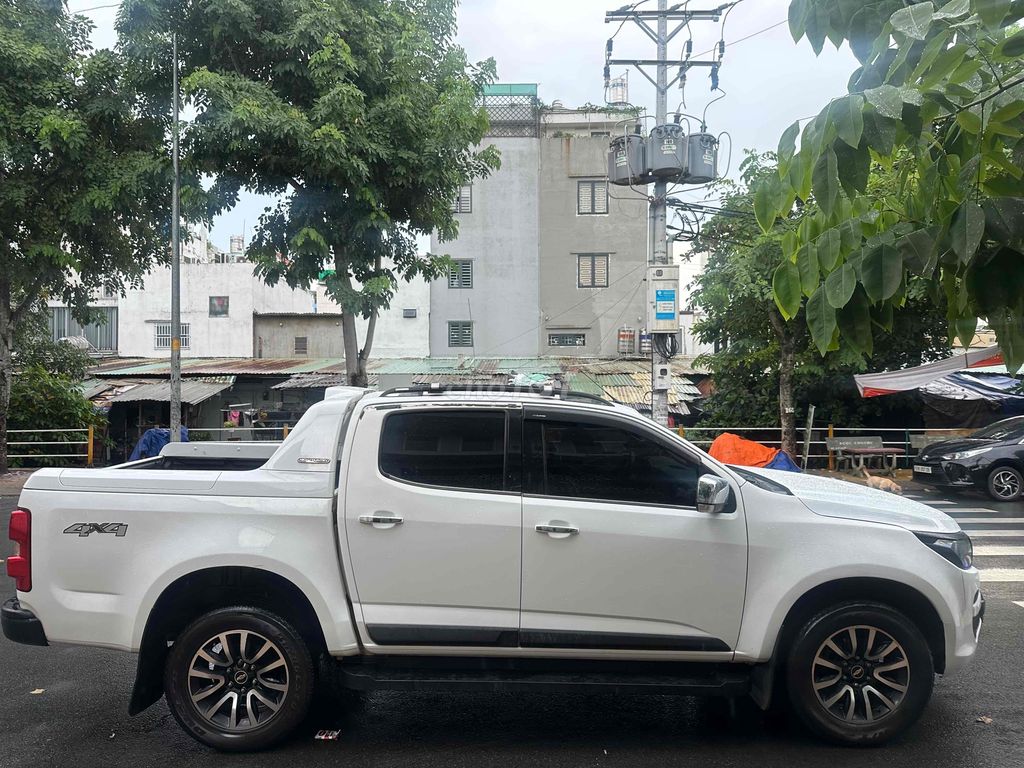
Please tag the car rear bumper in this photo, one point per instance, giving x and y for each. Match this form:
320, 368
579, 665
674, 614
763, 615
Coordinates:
21, 625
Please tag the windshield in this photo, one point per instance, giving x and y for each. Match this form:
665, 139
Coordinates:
1008, 429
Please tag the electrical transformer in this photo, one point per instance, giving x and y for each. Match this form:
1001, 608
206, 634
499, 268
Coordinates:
626, 160
666, 151
701, 158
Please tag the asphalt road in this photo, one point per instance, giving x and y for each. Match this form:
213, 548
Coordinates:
80, 717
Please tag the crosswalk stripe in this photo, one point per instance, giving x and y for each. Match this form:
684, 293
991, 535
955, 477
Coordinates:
970, 511
994, 520
1002, 574
994, 534
994, 550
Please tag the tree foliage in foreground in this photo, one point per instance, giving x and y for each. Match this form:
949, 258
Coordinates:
84, 176
361, 116
937, 102
767, 370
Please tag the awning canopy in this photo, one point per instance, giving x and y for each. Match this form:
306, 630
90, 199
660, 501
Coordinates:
874, 384
193, 391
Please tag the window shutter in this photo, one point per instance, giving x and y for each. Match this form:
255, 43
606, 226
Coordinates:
586, 271
460, 333
584, 197
600, 272
301, 345
600, 197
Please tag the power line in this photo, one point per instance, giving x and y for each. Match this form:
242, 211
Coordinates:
95, 8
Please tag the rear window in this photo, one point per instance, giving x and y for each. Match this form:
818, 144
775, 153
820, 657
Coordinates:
446, 449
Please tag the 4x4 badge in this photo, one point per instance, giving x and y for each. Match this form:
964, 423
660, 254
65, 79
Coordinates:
84, 529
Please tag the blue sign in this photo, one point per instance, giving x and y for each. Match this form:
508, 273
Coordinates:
665, 304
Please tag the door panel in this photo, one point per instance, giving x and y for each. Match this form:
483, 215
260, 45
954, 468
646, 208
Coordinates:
656, 575
449, 572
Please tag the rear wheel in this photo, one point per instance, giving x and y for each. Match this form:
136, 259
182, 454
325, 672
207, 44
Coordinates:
239, 679
859, 673
1005, 484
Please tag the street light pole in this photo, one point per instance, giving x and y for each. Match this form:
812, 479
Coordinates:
175, 263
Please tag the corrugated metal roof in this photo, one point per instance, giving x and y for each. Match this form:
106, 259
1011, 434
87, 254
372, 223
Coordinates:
193, 391
92, 387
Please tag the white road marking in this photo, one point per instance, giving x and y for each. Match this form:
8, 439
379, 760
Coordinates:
1019, 602
1002, 574
995, 534
1009, 520
971, 511
937, 502
994, 550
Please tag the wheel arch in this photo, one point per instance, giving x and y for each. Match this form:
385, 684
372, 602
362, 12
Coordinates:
200, 591
897, 595
894, 594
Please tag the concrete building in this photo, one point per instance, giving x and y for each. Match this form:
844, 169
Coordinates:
226, 311
548, 260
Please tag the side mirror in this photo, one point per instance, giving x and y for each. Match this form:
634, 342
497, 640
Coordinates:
712, 494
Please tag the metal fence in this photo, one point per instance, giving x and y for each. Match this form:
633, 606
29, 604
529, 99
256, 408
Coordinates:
909, 439
79, 446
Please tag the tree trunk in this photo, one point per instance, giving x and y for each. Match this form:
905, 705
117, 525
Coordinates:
355, 366
787, 362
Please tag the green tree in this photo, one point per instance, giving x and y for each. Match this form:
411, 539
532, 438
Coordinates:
767, 368
361, 116
937, 103
44, 399
83, 175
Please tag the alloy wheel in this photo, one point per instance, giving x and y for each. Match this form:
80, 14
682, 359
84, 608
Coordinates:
860, 674
1006, 484
238, 680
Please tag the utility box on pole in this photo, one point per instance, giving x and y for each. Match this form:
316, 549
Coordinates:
664, 282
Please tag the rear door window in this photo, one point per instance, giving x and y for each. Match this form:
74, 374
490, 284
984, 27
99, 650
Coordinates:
605, 462
449, 449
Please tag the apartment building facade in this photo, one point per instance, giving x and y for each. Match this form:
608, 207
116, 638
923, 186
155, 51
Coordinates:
226, 311
549, 260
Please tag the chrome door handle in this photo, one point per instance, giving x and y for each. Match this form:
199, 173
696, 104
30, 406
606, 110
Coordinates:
565, 530
378, 519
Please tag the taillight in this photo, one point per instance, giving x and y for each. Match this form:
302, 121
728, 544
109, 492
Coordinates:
19, 565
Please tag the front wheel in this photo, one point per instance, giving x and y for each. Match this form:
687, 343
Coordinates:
239, 679
859, 673
1005, 484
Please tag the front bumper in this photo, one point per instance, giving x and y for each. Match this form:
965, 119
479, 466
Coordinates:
21, 625
949, 474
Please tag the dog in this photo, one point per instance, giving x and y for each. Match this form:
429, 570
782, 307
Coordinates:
882, 483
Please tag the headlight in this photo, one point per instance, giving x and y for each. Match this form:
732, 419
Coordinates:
955, 547
965, 454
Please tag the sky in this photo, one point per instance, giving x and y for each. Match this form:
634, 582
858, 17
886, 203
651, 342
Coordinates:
769, 80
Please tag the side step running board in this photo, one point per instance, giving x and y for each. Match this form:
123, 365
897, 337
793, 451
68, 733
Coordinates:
715, 681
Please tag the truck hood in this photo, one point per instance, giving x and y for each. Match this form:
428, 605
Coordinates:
840, 498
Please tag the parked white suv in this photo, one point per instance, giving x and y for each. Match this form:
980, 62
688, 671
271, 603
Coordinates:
432, 538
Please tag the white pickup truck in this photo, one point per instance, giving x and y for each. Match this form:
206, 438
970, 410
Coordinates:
430, 538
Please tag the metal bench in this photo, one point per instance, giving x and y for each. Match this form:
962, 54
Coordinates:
857, 453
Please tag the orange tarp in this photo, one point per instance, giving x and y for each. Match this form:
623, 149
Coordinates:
733, 449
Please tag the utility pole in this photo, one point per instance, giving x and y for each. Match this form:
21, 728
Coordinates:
175, 262
660, 383
662, 303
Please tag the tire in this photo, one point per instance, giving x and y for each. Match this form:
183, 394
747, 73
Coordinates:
1005, 484
266, 664
872, 664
